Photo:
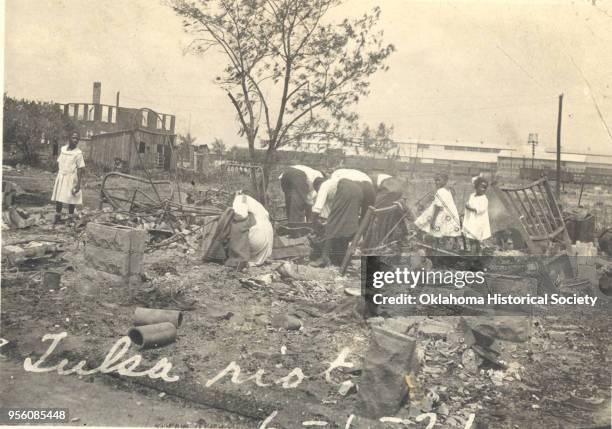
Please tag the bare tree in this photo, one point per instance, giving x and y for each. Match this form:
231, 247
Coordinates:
288, 71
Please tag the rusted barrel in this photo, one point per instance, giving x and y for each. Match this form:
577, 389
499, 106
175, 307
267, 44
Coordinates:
150, 316
156, 335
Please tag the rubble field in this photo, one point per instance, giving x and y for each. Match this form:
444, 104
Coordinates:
271, 323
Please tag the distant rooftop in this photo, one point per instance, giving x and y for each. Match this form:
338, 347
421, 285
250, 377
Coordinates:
458, 143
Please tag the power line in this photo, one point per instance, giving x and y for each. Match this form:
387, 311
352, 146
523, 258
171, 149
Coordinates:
500, 48
518, 65
603, 121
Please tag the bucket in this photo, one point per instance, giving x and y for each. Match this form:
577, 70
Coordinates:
582, 229
150, 316
156, 335
51, 279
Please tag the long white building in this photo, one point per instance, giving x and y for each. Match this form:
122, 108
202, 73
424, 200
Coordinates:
468, 157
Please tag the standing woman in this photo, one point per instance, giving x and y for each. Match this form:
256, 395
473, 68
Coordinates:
67, 188
441, 218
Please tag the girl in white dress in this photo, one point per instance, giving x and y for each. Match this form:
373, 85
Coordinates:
441, 218
67, 188
476, 226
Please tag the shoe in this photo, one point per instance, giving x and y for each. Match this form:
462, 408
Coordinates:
57, 219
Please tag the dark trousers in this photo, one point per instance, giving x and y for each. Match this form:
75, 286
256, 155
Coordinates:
294, 184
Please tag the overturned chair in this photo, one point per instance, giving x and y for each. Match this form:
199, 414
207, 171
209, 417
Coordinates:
377, 230
539, 215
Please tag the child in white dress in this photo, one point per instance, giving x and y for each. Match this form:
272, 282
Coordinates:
67, 187
476, 226
441, 218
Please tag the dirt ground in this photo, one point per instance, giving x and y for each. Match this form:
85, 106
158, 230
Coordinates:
90, 401
559, 378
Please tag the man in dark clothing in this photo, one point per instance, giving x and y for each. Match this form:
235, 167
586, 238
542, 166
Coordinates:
387, 226
341, 199
297, 183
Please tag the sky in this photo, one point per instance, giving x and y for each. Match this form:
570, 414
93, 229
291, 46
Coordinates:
486, 71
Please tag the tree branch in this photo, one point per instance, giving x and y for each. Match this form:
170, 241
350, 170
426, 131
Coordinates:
239, 110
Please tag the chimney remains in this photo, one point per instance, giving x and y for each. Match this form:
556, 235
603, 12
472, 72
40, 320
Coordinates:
97, 90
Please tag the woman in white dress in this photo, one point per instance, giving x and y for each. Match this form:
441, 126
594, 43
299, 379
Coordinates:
476, 226
67, 188
441, 218
261, 235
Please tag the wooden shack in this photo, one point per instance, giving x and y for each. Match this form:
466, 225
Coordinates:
130, 150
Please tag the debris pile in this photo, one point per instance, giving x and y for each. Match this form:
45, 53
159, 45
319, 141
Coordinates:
19, 252
497, 368
170, 223
114, 252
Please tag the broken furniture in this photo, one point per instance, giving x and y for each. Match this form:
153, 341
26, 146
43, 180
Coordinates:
368, 221
153, 208
540, 219
133, 197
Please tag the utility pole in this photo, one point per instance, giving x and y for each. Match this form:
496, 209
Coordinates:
533, 142
558, 187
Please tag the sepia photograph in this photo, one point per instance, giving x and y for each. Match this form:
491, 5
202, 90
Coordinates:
306, 213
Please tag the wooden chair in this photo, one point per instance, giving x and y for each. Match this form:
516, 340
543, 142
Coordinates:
365, 223
539, 215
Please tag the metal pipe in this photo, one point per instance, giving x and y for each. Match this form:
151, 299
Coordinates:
156, 335
581, 190
150, 316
